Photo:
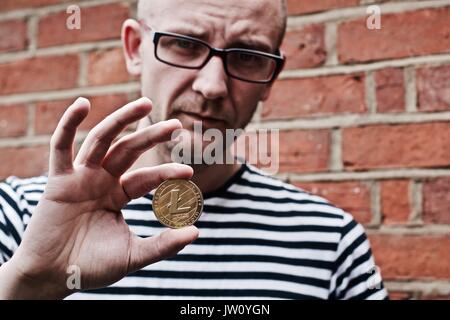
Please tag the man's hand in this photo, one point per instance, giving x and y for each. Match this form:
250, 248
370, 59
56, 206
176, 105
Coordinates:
78, 220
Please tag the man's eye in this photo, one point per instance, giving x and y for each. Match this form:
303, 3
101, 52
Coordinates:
245, 57
184, 44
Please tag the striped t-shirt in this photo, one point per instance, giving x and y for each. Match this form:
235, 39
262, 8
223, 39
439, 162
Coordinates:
260, 238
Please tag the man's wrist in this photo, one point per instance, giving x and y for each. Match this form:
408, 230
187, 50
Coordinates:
17, 286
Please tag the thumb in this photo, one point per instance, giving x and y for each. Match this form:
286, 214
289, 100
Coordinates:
145, 251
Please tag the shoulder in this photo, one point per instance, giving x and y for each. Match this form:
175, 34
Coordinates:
18, 197
303, 208
24, 185
257, 183
19, 194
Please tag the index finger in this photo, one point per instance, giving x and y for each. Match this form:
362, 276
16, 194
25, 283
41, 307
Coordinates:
61, 144
99, 139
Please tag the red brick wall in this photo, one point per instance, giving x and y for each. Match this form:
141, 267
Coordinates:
364, 114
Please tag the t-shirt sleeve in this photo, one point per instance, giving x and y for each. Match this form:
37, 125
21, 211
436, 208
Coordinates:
355, 274
12, 209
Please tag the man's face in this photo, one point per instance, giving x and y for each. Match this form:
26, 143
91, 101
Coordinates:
208, 94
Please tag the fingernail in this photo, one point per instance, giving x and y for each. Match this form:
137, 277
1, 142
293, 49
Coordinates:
178, 122
82, 100
145, 99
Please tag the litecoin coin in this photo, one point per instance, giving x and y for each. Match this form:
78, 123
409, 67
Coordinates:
178, 203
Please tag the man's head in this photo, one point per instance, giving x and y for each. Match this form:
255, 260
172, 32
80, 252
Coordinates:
207, 94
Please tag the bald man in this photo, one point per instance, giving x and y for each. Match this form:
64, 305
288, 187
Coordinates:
91, 219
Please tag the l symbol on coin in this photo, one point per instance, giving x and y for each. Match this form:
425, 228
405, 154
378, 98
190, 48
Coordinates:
177, 203
173, 205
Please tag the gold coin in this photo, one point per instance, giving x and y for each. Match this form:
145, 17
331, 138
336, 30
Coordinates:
177, 203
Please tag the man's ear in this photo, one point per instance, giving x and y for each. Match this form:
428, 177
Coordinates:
131, 42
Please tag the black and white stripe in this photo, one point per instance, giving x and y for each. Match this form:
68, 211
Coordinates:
260, 238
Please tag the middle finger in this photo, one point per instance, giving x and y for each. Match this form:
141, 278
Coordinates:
99, 139
127, 150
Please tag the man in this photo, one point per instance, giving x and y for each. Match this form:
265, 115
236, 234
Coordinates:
259, 237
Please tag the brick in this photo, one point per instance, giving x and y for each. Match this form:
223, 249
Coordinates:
400, 295
107, 67
351, 196
304, 150
435, 297
13, 120
23, 161
390, 90
305, 47
97, 23
433, 88
436, 201
42, 73
403, 257
13, 35
401, 35
396, 146
337, 94
395, 201
49, 113
8, 5
300, 7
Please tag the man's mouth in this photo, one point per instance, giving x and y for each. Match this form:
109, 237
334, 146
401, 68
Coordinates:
209, 119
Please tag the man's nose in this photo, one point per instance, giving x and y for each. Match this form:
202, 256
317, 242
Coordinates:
212, 81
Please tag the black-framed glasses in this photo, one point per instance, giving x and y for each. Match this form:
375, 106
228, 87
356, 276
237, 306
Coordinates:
191, 53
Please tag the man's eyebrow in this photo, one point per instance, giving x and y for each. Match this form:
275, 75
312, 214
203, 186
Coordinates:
199, 33
190, 32
251, 44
